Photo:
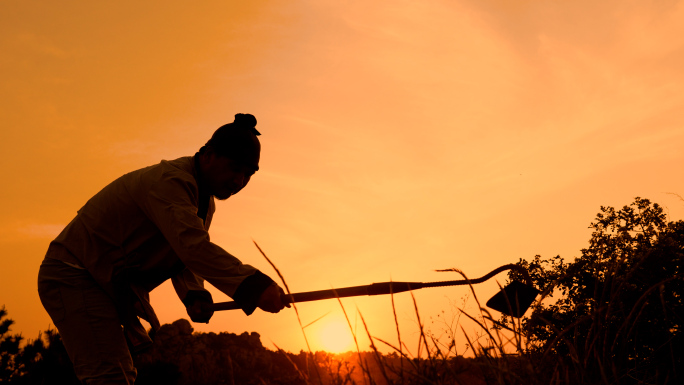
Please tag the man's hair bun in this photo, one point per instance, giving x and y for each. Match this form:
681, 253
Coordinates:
237, 140
246, 121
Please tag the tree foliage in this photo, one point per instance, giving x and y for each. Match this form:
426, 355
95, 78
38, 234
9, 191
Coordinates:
41, 361
9, 348
614, 314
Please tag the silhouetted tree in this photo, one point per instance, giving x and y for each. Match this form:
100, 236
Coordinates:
41, 361
616, 314
9, 349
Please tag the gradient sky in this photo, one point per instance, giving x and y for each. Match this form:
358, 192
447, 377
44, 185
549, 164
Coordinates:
398, 137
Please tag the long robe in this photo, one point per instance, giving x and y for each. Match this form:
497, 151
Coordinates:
148, 226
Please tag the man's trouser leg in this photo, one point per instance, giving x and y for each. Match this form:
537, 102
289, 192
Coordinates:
87, 321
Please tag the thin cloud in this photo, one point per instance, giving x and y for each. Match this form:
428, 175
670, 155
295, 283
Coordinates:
41, 44
40, 230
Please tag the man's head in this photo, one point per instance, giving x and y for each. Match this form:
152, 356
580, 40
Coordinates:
231, 157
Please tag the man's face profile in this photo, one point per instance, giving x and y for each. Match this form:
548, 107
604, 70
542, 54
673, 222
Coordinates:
225, 176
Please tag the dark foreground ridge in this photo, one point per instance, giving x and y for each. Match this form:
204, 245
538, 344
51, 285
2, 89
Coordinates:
182, 357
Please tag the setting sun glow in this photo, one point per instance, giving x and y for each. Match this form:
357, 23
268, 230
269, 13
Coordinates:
335, 337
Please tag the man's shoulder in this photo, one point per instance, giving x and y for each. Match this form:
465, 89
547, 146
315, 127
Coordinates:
185, 164
180, 166
177, 169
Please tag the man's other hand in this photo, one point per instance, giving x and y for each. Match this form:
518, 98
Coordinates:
271, 300
200, 311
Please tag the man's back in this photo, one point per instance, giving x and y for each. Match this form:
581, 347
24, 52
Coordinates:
116, 228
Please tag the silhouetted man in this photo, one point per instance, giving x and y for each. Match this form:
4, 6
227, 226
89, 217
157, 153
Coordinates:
142, 229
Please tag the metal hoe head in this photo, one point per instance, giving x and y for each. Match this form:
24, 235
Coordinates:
514, 299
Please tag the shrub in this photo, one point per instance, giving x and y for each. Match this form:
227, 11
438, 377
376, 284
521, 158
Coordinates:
614, 315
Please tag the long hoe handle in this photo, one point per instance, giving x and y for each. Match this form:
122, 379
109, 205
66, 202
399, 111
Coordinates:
373, 289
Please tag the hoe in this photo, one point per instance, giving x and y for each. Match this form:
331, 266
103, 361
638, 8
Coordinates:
513, 300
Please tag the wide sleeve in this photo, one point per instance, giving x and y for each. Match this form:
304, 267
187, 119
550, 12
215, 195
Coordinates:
190, 287
171, 204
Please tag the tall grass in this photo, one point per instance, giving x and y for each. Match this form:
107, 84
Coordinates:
433, 363
500, 351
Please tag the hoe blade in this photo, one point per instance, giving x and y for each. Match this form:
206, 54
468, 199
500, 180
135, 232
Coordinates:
514, 299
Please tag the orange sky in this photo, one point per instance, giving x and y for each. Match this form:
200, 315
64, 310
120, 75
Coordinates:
399, 137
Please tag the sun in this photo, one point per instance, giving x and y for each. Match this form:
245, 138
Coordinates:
335, 337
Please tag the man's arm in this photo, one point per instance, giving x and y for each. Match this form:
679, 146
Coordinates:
171, 204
